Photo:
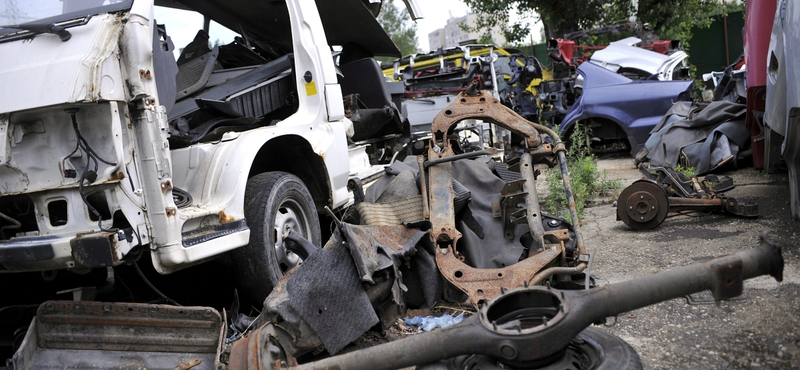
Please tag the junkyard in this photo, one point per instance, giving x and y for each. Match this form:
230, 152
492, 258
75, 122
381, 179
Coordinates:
299, 184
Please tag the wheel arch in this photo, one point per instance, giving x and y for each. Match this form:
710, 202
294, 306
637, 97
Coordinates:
293, 154
567, 129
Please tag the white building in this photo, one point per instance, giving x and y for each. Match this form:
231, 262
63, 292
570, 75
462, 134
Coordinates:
452, 34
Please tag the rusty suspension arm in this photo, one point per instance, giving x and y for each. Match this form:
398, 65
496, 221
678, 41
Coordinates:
506, 330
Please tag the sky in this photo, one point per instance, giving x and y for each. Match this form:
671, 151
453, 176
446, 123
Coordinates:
435, 15
437, 12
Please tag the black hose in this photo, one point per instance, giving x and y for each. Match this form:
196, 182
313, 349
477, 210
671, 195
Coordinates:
153, 287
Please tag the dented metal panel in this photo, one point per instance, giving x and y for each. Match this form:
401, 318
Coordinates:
98, 335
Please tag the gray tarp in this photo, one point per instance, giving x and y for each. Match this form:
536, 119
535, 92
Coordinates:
493, 250
704, 137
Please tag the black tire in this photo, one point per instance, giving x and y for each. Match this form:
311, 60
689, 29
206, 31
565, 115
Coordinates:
616, 353
592, 349
272, 200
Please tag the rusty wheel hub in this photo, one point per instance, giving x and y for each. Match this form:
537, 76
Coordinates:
643, 205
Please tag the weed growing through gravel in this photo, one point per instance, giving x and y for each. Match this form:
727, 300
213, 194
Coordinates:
585, 179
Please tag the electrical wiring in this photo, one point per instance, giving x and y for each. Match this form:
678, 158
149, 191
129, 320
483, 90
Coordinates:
92, 160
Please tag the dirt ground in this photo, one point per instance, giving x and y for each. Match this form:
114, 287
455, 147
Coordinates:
759, 331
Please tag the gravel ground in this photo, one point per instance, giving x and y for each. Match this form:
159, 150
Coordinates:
759, 331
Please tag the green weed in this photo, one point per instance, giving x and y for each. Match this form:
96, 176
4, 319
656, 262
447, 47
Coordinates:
688, 172
586, 180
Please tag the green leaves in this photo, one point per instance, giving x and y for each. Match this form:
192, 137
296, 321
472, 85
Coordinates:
397, 23
670, 19
586, 180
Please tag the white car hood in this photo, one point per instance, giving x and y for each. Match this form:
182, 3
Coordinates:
45, 71
622, 54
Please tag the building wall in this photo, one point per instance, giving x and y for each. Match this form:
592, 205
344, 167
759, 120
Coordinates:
451, 35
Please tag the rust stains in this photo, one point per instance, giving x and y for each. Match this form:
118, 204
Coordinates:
225, 218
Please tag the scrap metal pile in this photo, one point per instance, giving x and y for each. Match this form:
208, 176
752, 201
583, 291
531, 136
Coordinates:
423, 239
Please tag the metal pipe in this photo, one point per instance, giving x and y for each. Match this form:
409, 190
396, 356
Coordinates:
456, 157
696, 204
423, 186
534, 214
16, 224
562, 160
573, 210
544, 274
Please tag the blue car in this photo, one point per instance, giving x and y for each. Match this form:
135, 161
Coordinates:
620, 111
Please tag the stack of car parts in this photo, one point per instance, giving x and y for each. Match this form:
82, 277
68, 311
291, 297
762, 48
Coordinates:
663, 192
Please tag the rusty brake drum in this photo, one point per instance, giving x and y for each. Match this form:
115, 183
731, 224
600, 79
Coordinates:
643, 205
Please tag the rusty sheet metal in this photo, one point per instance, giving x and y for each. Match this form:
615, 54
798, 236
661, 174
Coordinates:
127, 327
190, 364
441, 194
104, 335
95, 250
481, 285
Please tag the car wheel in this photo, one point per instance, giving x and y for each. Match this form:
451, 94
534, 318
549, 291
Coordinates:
274, 204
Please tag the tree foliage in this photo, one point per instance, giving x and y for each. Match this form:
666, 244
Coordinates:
397, 23
670, 19
675, 19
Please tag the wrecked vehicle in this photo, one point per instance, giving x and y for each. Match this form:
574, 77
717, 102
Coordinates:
431, 81
639, 57
625, 58
781, 123
112, 150
620, 111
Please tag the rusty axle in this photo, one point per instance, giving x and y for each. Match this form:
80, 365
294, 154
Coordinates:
527, 324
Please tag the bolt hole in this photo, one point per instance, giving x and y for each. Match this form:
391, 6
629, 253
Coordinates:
499, 274
479, 293
448, 112
458, 274
463, 100
483, 99
319, 312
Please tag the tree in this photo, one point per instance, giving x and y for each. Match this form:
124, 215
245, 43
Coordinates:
675, 19
397, 23
670, 19
559, 17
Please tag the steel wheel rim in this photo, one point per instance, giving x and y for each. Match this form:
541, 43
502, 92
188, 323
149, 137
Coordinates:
289, 217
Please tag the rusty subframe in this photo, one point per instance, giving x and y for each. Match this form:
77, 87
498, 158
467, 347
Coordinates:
528, 324
482, 285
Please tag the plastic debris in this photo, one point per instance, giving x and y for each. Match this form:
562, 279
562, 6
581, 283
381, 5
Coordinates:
429, 323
